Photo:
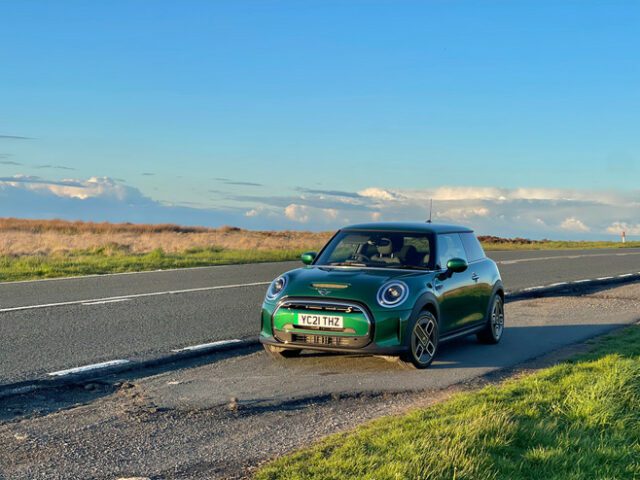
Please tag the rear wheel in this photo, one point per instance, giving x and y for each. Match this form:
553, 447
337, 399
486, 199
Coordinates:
492, 332
423, 342
281, 352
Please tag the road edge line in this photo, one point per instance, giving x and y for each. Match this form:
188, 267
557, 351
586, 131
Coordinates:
77, 376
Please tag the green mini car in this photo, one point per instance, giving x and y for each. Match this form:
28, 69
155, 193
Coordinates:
393, 289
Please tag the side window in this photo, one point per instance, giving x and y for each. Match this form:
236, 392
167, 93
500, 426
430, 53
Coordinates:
472, 247
449, 246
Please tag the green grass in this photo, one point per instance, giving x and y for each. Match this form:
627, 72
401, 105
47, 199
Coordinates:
113, 260
577, 420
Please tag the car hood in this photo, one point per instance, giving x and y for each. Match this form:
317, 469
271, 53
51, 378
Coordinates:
351, 283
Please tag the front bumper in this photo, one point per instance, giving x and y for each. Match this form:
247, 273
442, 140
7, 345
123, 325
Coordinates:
370, 349
380, 331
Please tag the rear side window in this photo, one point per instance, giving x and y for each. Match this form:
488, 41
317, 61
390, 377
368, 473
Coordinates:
449, 246
472, 247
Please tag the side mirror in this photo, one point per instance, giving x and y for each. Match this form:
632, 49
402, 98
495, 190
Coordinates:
308, 257
457, 265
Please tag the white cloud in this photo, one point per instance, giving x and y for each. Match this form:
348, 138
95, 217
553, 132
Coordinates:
574, 225
616, 228
331, 213
94, 187
96, 199
453, 193
465, 213
297, 213
303, 213
378, 194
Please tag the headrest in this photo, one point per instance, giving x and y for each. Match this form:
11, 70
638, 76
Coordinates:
384, 246
409, 255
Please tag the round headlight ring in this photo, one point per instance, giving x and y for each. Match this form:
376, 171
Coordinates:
276, 287
392, 294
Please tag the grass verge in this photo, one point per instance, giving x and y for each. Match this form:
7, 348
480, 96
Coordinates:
114, 257
576, 420
107, 260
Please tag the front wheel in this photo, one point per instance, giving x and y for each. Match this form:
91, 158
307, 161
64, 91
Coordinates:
281, 352
492, 332
423, 342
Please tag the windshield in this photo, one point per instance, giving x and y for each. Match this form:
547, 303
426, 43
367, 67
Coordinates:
378, 249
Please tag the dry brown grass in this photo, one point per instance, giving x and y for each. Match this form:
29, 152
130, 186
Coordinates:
29, 237
20, 237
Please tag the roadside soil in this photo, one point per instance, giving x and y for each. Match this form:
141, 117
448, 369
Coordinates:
224, 417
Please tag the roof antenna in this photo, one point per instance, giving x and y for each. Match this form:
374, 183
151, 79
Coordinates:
430, 209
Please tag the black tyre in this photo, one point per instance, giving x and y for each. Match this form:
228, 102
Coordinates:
423, 342
492, 332
281, 352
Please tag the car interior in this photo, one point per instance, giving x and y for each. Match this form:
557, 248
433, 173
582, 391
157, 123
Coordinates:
395, 250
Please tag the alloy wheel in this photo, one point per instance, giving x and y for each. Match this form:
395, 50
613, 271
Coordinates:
497, 318
424, 340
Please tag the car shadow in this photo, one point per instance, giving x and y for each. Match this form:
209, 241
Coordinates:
518, 343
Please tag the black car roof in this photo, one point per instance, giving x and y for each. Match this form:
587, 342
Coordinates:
422, 227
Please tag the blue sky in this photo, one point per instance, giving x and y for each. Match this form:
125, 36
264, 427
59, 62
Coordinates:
241, 110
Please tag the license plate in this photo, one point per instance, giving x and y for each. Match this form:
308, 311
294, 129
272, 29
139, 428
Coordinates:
322, 321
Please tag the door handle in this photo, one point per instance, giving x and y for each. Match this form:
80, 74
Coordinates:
475, 277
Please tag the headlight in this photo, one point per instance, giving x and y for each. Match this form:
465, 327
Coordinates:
392, 294
276, 287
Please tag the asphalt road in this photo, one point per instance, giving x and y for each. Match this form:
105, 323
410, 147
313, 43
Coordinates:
182, 425
57, 324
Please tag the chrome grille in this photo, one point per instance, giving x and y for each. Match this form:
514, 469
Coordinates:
323, 306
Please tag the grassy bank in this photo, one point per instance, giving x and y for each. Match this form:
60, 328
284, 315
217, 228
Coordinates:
110, 260
114, 258
577, 420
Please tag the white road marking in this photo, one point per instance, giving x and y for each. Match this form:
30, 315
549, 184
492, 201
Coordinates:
143, 272
557, 284
203, 346
572, 257
100, 302
88, 368
625, 275
604, 278
126, 297
584, 280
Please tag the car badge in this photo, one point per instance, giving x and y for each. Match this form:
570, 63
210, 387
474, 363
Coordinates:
325, 289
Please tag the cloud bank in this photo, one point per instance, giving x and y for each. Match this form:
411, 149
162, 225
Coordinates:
526, 212
96, 199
